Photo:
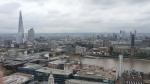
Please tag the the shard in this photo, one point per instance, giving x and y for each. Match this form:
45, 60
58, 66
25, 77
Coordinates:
20, 38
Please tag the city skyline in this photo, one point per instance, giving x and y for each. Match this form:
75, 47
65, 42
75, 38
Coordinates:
75, 42
63, 16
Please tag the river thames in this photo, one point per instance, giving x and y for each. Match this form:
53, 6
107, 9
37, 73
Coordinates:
128, 64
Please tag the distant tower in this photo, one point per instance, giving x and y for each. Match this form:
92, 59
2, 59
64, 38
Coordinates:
132, 40
105, 42
31, 35
20, 38
130, 33
135, 33
120, 65
132, 44
121, 35
120, 31
51, 79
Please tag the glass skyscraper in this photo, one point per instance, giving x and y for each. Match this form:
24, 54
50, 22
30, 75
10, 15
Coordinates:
20, 38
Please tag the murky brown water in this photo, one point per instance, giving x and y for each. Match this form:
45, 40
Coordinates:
128, 64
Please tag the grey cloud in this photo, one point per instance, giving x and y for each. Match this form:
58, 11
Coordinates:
79, 16
138, 1
93, 21
53, 13
102, 2
146, 12
9, 7
145, 18
39, 2
113, 2
35, 0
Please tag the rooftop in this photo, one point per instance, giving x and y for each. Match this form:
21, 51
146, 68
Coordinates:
122, 47
12, 63
32, 66
58, 57
58, 62
54, 71
146, 48
92, 71
74, 81
133, 76
26, 58
17, 78
63, 61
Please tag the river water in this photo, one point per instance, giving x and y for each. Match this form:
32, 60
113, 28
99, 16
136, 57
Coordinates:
128, 63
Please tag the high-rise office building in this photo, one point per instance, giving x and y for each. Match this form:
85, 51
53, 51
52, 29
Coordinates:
132, 40
130, 33
20, 38
135, 33
105, 42
31, 35
123, 35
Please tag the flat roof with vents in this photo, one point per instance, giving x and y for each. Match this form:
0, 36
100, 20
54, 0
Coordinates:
17, 78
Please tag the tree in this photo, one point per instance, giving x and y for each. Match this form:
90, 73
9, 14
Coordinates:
8, 72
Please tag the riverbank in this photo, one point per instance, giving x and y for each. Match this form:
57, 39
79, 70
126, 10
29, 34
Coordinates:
141, 65
127, 57
104, 56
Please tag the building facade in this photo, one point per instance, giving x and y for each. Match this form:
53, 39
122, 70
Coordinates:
31, 35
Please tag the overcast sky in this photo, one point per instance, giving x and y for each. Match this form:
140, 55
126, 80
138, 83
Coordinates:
60, 16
